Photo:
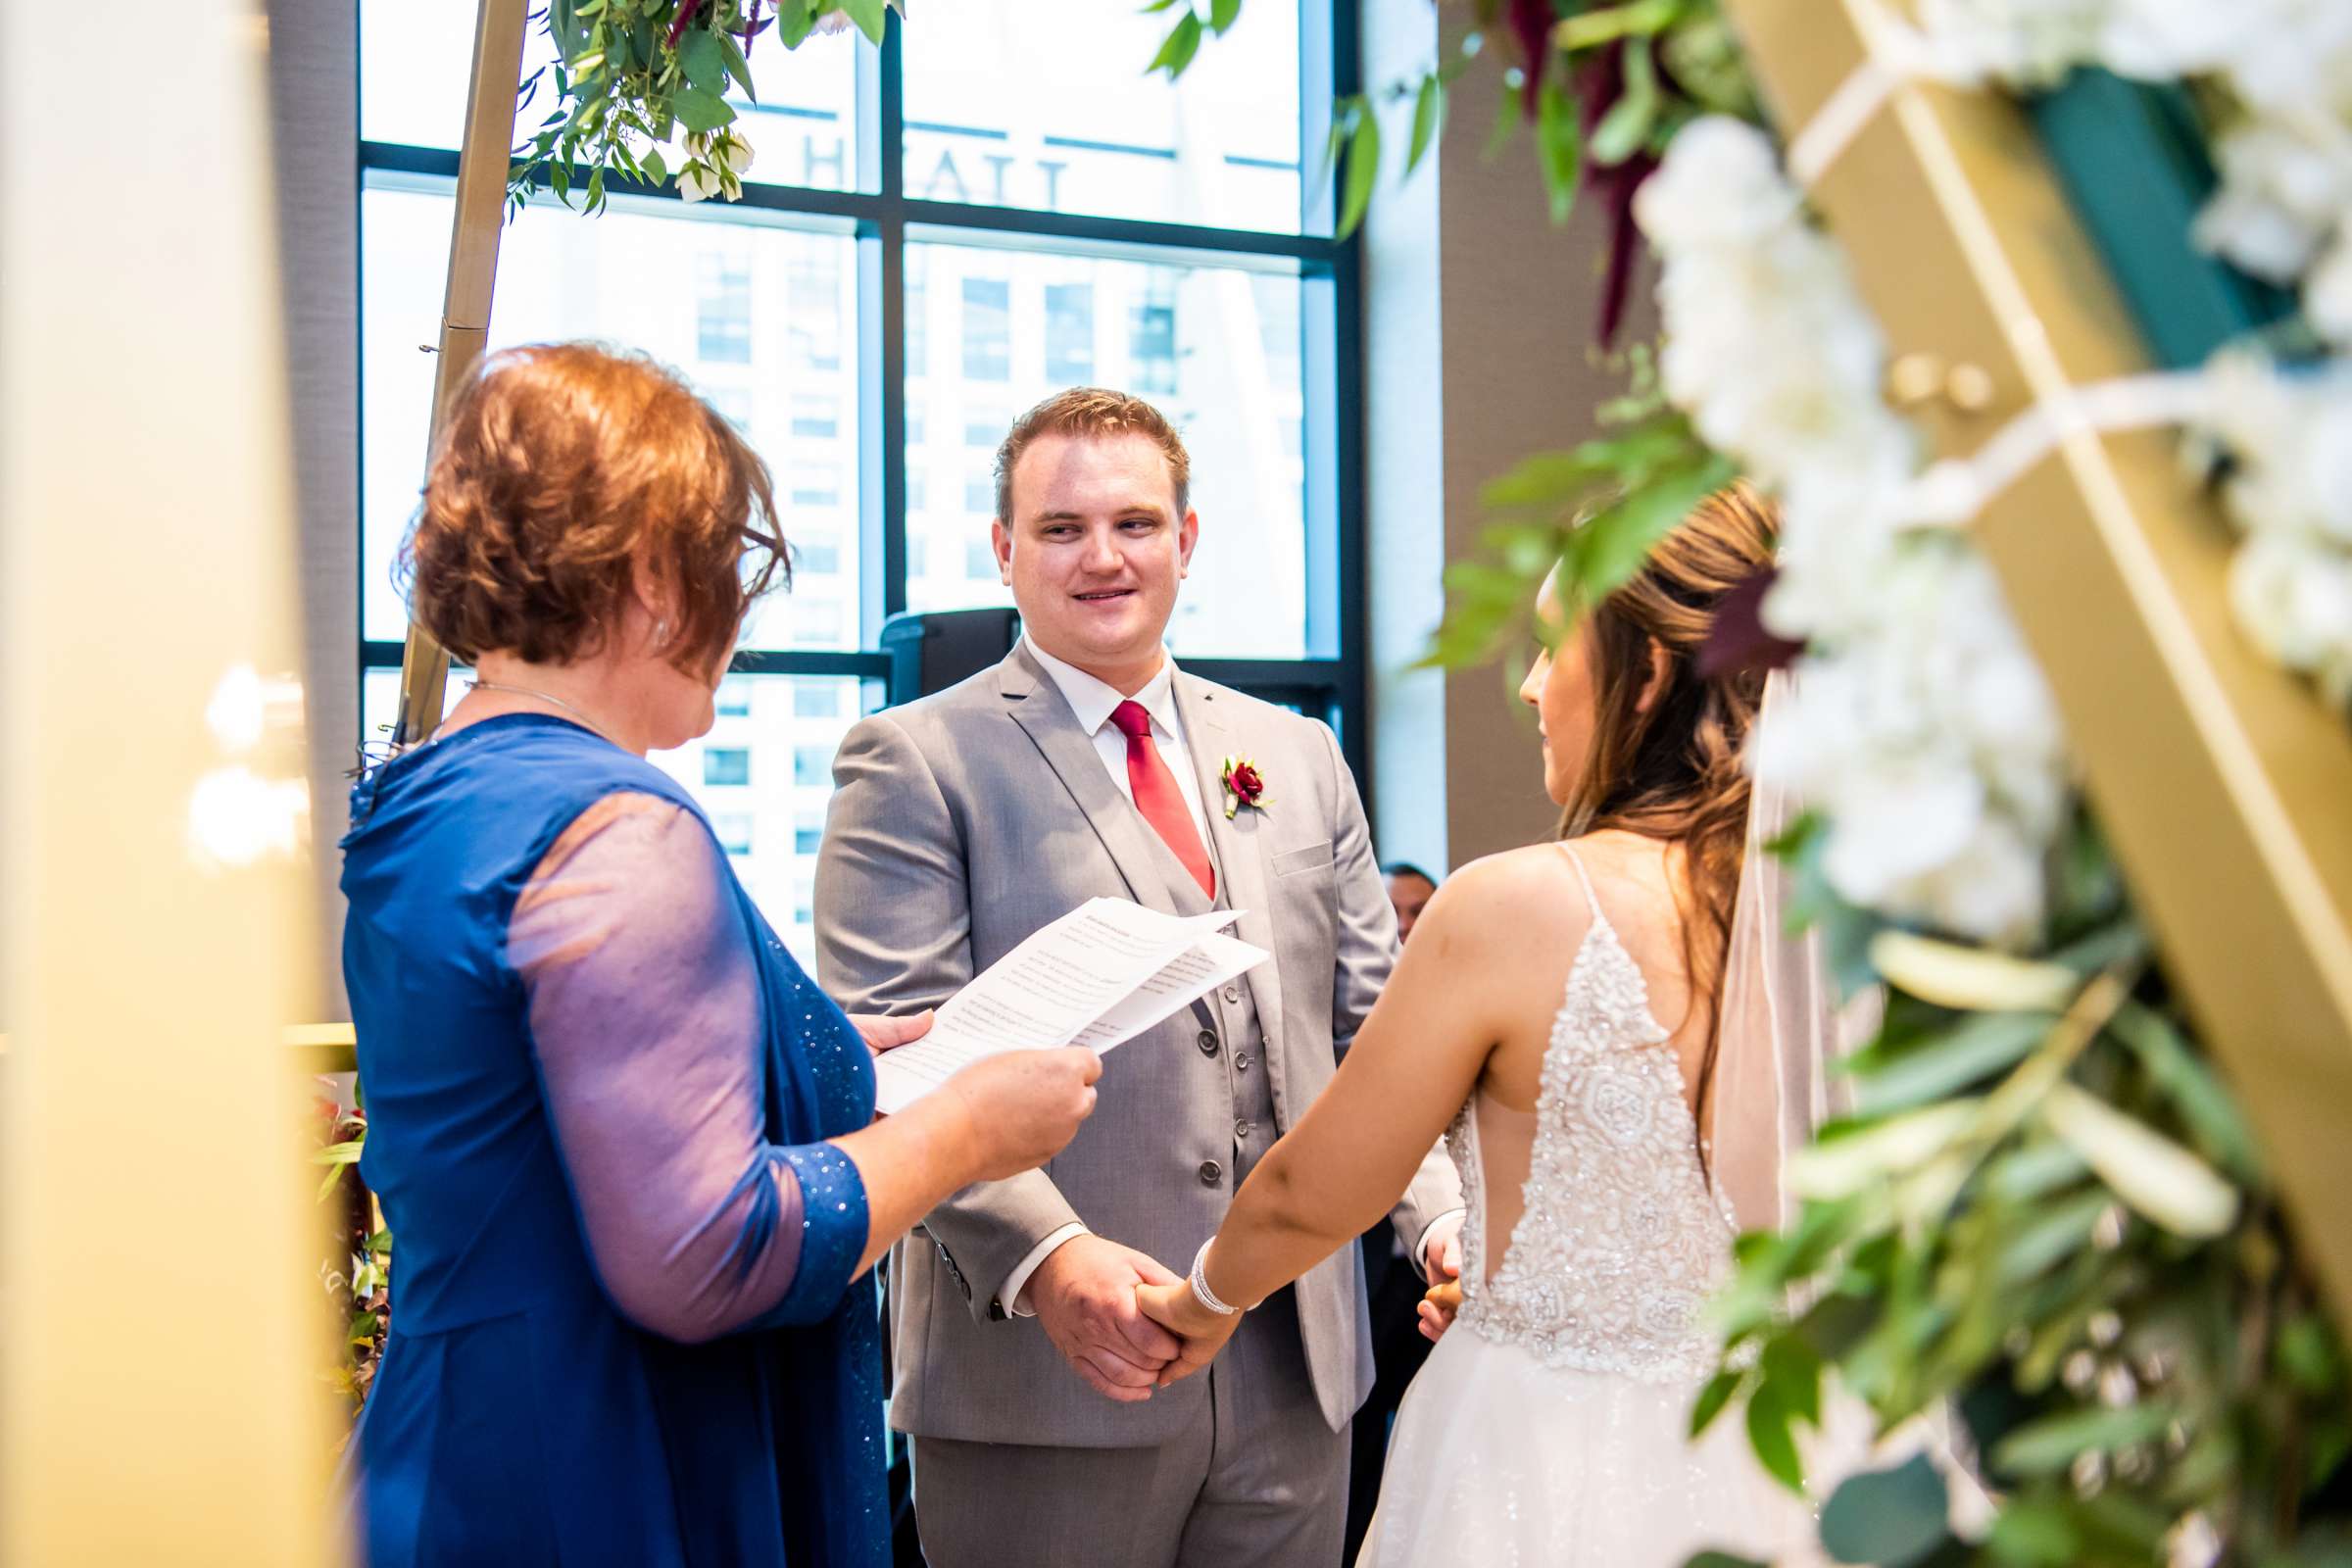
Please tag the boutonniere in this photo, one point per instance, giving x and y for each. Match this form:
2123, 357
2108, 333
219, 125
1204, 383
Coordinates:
1245, 785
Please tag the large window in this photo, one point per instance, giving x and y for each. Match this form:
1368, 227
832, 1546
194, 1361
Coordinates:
995, 205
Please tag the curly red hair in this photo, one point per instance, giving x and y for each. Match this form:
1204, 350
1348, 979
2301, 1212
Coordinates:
561, 471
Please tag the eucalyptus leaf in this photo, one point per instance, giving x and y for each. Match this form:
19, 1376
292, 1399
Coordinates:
2052, 1236
2204, 1101
1769, 1435
1891, 1518
2147, 1170
1722, 1559
1223, 14
1559, 148
1973, 1049
1363, 171
702, 60
1713, 1397
1792, 1371
701, 112
738, 68
2054, 1442
868, 15
1177, 50
1429, 115
1625, 130
1974, 979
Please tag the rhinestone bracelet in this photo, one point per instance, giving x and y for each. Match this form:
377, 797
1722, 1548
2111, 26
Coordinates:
1200, 1291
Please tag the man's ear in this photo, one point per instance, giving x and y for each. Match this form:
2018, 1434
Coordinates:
1661, 664
1188, 534
1000, 539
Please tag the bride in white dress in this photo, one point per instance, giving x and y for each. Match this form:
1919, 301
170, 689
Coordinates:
1555, 1017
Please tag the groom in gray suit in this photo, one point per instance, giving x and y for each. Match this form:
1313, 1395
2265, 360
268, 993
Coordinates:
1087, 764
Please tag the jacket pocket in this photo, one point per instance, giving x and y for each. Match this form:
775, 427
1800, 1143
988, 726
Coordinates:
1290, 862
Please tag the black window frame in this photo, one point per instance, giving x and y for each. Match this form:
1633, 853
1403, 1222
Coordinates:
1330, 681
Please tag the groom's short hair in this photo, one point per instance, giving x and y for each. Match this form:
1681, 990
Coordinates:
1093, 411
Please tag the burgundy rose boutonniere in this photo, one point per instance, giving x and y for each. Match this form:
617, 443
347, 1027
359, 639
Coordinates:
1243, 786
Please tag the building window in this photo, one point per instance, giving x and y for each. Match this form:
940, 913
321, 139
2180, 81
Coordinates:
733, 830
812, 312
723, 310
808, 840
918, 317
816, 553
1070, 332
816, 484
987, 330
1151, 337
815, 417
985, 429
771, 309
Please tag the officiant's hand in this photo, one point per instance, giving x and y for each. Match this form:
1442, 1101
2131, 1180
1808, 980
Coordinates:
1443, 1297
1084, 1297
1177, 1309
883, 1032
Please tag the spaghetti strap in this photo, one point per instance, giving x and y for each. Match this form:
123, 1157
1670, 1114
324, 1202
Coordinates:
1591, 899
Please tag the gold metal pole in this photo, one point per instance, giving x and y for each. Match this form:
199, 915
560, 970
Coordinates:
480, 215
160, 1399
2225, 783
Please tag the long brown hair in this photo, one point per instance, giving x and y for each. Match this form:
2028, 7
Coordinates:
1673, 772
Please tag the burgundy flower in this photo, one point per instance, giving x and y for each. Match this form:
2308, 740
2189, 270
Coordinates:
1245, 785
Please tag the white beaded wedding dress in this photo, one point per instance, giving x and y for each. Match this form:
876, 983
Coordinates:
1550, 1428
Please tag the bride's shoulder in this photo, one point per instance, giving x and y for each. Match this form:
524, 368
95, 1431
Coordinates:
1523, 894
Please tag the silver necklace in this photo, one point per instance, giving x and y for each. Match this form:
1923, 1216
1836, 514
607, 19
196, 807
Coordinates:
549, 698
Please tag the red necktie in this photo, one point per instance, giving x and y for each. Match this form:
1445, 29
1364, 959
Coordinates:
1158, 796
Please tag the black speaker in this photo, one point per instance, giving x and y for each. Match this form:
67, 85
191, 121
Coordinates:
931, 651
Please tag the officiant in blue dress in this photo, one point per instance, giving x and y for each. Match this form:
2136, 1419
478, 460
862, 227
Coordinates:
625, 1146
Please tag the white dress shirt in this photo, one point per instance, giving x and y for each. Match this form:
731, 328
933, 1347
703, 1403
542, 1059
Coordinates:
1093, 701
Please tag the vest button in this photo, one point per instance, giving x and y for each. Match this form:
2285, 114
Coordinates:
1208, 1041
1212, 1173
1232, 993
1242, 1129
1241, 1062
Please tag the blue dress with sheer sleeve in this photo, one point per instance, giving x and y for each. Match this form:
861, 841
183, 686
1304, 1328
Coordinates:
625, 1324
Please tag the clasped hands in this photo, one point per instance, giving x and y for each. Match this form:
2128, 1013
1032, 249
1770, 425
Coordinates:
1128, 1325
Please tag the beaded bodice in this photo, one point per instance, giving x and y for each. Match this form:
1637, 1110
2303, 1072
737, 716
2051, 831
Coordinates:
1621, 1241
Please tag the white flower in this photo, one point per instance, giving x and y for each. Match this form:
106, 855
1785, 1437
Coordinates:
2328, 290
2031, 43
720, 160
2292, 596
2281, 197
1720, 185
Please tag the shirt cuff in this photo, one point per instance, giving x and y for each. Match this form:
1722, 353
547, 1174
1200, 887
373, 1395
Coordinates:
1434, 1237
1009, 1296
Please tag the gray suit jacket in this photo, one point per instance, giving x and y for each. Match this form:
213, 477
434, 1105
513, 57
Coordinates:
961, 823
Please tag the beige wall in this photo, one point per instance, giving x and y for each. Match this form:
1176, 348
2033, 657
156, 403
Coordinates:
314, 125
1479, 321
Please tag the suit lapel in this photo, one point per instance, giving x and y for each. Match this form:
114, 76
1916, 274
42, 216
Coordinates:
1241, 857
1036, 706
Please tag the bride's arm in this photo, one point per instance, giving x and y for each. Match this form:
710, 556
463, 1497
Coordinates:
1458, 988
